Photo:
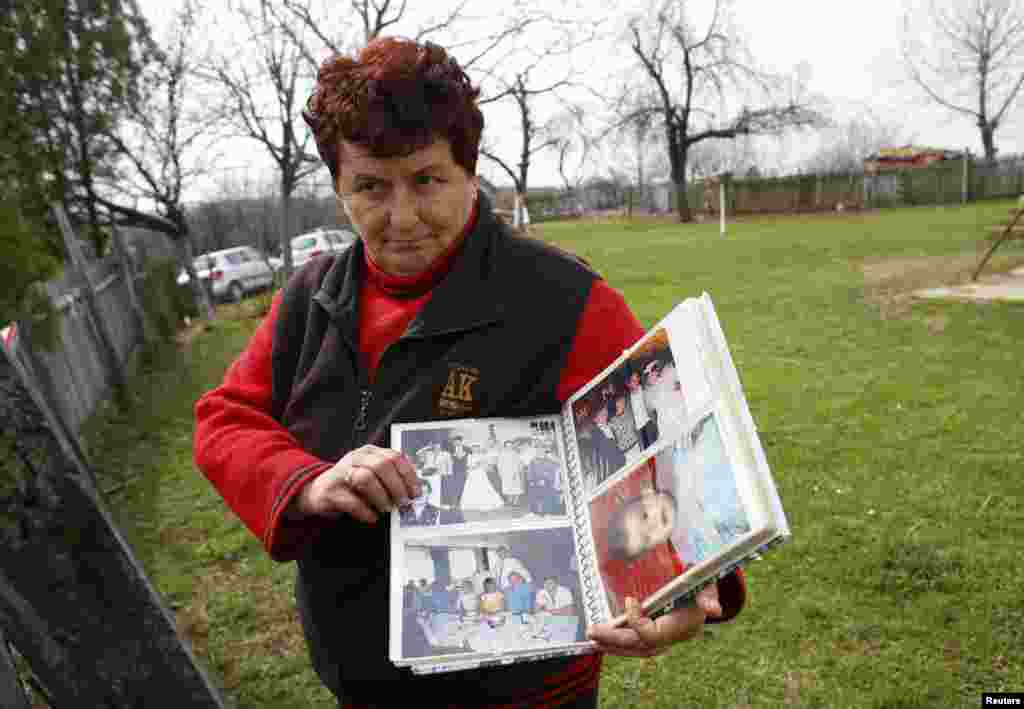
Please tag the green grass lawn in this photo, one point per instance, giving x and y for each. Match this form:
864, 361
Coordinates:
893, 427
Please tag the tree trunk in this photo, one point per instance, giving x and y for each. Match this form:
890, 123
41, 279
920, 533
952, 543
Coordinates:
202, 296
285, 232
682, 204
677, 157
988, 141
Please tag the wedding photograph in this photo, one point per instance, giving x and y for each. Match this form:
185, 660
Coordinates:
484, 470
637, 405
489, 593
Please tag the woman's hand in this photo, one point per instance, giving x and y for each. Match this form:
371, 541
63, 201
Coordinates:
643, 637
364, 484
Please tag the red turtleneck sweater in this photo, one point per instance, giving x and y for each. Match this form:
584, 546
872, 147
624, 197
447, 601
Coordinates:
388, 303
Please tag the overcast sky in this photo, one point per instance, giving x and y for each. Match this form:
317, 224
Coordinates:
849, 52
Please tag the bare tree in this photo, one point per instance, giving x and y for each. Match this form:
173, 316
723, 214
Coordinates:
695, 74
846, 144
539, 71
332, 31
575, 148
266, 95
159, 147
534, 136
710, 158
968, 57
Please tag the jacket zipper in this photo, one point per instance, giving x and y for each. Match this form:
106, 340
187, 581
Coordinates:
364, 404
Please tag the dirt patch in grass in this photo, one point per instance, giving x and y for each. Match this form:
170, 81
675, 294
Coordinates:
276, 629
182, 535
890, 283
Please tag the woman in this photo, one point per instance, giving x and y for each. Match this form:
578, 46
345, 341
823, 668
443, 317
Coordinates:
431, 315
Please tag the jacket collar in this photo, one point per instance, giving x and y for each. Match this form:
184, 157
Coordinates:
472, 295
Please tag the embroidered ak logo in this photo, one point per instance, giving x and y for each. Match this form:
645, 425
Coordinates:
457, 397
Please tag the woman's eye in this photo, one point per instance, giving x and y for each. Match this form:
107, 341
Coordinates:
426, 180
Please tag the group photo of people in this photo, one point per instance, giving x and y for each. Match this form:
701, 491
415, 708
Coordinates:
477, 471
490, 593
638, 404
666, 515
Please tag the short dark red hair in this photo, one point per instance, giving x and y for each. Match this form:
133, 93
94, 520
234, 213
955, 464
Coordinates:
395, 97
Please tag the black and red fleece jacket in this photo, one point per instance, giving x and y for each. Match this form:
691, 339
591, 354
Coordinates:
340, 340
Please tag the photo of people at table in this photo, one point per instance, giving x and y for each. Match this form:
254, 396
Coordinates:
490, 593
666, 515
638, 404
480, 471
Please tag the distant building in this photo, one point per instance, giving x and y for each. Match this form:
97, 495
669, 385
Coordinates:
908, 157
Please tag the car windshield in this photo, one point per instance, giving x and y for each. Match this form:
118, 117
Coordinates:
303, 242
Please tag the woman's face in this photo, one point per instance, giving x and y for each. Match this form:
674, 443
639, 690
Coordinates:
648, 522
407, 209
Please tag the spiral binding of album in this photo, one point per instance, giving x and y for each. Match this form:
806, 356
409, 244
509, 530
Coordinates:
590, 587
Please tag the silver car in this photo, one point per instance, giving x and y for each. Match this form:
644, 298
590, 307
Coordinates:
321, 241
231, 273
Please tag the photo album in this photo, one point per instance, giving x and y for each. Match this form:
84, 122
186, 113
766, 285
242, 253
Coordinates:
652, 483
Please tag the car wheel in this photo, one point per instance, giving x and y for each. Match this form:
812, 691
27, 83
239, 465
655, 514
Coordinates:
236, 292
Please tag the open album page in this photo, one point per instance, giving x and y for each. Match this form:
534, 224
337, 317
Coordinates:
483, 563
671, 491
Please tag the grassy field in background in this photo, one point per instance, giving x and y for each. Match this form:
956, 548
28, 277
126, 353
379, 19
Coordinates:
893, 427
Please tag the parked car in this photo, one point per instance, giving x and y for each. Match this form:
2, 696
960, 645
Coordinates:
321, 241
231, 273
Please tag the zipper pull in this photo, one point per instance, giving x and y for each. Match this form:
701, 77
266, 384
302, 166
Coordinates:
364, 404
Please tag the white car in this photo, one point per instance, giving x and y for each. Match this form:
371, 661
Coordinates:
321, 241
231, 273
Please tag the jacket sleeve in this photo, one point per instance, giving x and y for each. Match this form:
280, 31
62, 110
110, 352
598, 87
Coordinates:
606, 328
254, 462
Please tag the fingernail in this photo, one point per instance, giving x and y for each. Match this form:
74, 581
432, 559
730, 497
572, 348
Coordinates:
404, 502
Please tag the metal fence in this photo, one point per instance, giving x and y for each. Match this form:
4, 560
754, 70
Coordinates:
948, 182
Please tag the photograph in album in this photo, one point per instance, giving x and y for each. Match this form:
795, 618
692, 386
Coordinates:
479, 594
627, 412
484, 471
666, 515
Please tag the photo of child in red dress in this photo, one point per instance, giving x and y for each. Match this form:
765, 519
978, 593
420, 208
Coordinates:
636, 555
666, 515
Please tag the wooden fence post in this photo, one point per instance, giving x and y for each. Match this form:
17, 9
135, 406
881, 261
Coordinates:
965, 180
74, 600
39, 388
108, 354
128, 272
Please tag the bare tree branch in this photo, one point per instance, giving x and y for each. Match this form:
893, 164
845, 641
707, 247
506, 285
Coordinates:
692, 79
969, 59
